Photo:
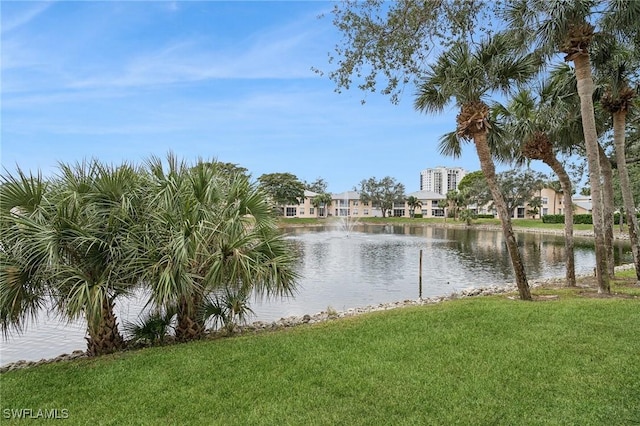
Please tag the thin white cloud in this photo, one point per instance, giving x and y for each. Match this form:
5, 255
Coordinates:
12, 22
278, 53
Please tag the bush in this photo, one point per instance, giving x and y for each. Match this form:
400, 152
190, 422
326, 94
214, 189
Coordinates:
485, 216
553, 218
417, 215
616, 218
578, 219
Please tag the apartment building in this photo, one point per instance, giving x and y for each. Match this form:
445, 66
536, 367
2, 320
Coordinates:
441, 179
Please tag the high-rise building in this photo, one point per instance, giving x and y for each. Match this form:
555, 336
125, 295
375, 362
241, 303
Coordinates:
441, 179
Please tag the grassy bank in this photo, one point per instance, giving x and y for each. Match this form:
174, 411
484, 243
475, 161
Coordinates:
517, 223
574, 359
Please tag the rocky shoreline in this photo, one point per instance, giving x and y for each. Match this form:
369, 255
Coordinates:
294, 321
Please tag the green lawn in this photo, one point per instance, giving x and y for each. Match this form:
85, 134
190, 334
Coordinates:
488, 360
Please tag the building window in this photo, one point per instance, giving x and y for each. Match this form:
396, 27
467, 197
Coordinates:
434, 203
301, 211
545, 200
291, 211
355, 212
545, 211
355, 203
398, 212
311, 210
366, 212
437, 212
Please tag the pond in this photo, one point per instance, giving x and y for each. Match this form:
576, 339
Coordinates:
364, 265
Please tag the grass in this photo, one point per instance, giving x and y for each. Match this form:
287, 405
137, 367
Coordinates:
486, 360
517, 223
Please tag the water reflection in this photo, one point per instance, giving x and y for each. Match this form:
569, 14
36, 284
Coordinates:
369, 265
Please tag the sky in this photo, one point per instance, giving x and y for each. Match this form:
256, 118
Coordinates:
232, 81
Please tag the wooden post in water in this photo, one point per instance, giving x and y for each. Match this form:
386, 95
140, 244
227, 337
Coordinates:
420, 278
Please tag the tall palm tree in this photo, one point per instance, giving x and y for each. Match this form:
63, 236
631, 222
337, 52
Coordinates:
71, 240
615, 66
529, 123
569, 27
208, 233
468, 76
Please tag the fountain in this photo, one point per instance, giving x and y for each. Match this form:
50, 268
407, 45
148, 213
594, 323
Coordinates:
346, 221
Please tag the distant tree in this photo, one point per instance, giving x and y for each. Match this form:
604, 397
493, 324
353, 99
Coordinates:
382, 193
535, 204
443, 204
518, 187
472, 179
457, 200
322, 200
318, 186
557, 189
474, 190
283, 188
413, 203
585, 191
231, 169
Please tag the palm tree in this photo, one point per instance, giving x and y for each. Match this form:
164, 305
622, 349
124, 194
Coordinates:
615, 66
70, 241
530, 124
322, 200
209, 233
564, 26
413, 204
468, 76
443, 204
557, 189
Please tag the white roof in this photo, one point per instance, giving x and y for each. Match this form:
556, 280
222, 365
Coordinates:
426, 195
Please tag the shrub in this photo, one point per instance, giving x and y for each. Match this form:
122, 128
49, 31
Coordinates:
578, 219
485, 216
417, 215
553, 218
616, 217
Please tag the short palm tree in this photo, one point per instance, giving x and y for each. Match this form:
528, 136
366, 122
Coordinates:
468, 76
71, 241
208, 233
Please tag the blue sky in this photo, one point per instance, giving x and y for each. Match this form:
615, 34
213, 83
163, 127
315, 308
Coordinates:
225, 80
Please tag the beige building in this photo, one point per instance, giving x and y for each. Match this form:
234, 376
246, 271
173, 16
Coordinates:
429, 201
304, 209
348, 204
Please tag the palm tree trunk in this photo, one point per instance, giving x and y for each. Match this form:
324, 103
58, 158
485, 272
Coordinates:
585, 92
104, 337
619, 123
489, 171
607, 207
565, 183
189, 326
